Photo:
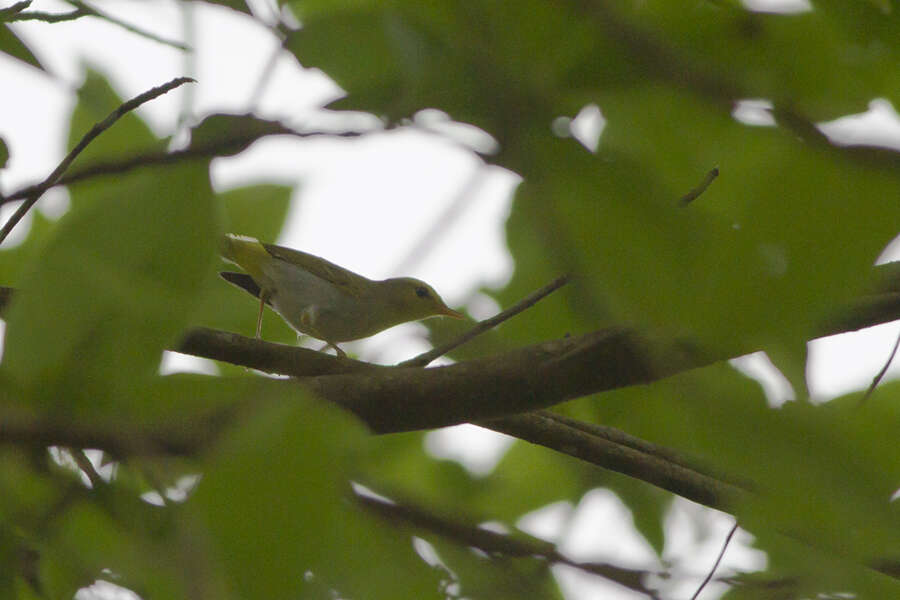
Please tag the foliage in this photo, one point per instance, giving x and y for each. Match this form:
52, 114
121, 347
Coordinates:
780, 241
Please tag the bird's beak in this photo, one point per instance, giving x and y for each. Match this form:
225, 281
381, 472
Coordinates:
449, 312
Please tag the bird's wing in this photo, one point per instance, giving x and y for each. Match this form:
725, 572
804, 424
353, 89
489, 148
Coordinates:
347, 281
243, 281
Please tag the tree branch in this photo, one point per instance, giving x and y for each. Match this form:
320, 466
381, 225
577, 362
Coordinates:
492, 391
617, 451
220, 146
410, 398
515, 545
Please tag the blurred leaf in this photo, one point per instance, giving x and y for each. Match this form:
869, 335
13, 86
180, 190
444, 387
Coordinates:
257, 210
11, 45
400, 462
274, 501
88, 541
118, 277
14, 260
822, 62
741, 267
411, 57
231, 134
4, 153
112, 288
528, 478
237, 5
823, 475
481, 577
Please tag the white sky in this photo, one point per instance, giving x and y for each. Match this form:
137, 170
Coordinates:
364, 205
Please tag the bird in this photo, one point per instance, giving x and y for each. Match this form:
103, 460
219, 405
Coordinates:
323, 300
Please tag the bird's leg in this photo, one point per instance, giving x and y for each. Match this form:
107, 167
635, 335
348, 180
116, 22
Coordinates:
340, 353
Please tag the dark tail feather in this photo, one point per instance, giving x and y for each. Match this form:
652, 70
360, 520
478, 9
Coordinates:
243, 281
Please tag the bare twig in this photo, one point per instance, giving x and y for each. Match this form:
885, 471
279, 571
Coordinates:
482, 326
462, 199
87, 467
46, 17
17, 12
695, 193
148, 159
9, 13
716, 565
266, 75
94, 12
35, 192
880, 375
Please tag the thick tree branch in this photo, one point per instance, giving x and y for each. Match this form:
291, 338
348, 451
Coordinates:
492, 391
617, 451
538, 376
119, 439
268, 357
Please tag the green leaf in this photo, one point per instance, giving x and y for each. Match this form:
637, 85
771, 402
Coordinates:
479, 576
4, 153
740, 267
11, 45
90, 539
236, 5
231, 134
116, 281
14, 260
824, 62
410, 57
112, 288
257, 210
274, 500
129, 136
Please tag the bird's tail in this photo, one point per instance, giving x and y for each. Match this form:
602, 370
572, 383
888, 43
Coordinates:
246, 252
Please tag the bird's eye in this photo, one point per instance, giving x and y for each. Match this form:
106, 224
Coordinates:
421, 292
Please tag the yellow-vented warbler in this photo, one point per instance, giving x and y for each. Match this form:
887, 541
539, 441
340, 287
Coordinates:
323, 300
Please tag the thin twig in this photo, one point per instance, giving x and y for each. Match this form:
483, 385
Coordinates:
35, 192
716, 565
695, 193
94, 12
149, 159
8, 13
441, 224
17, 13
482, 326
46, 17
880, 375
268, 70
87, 467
